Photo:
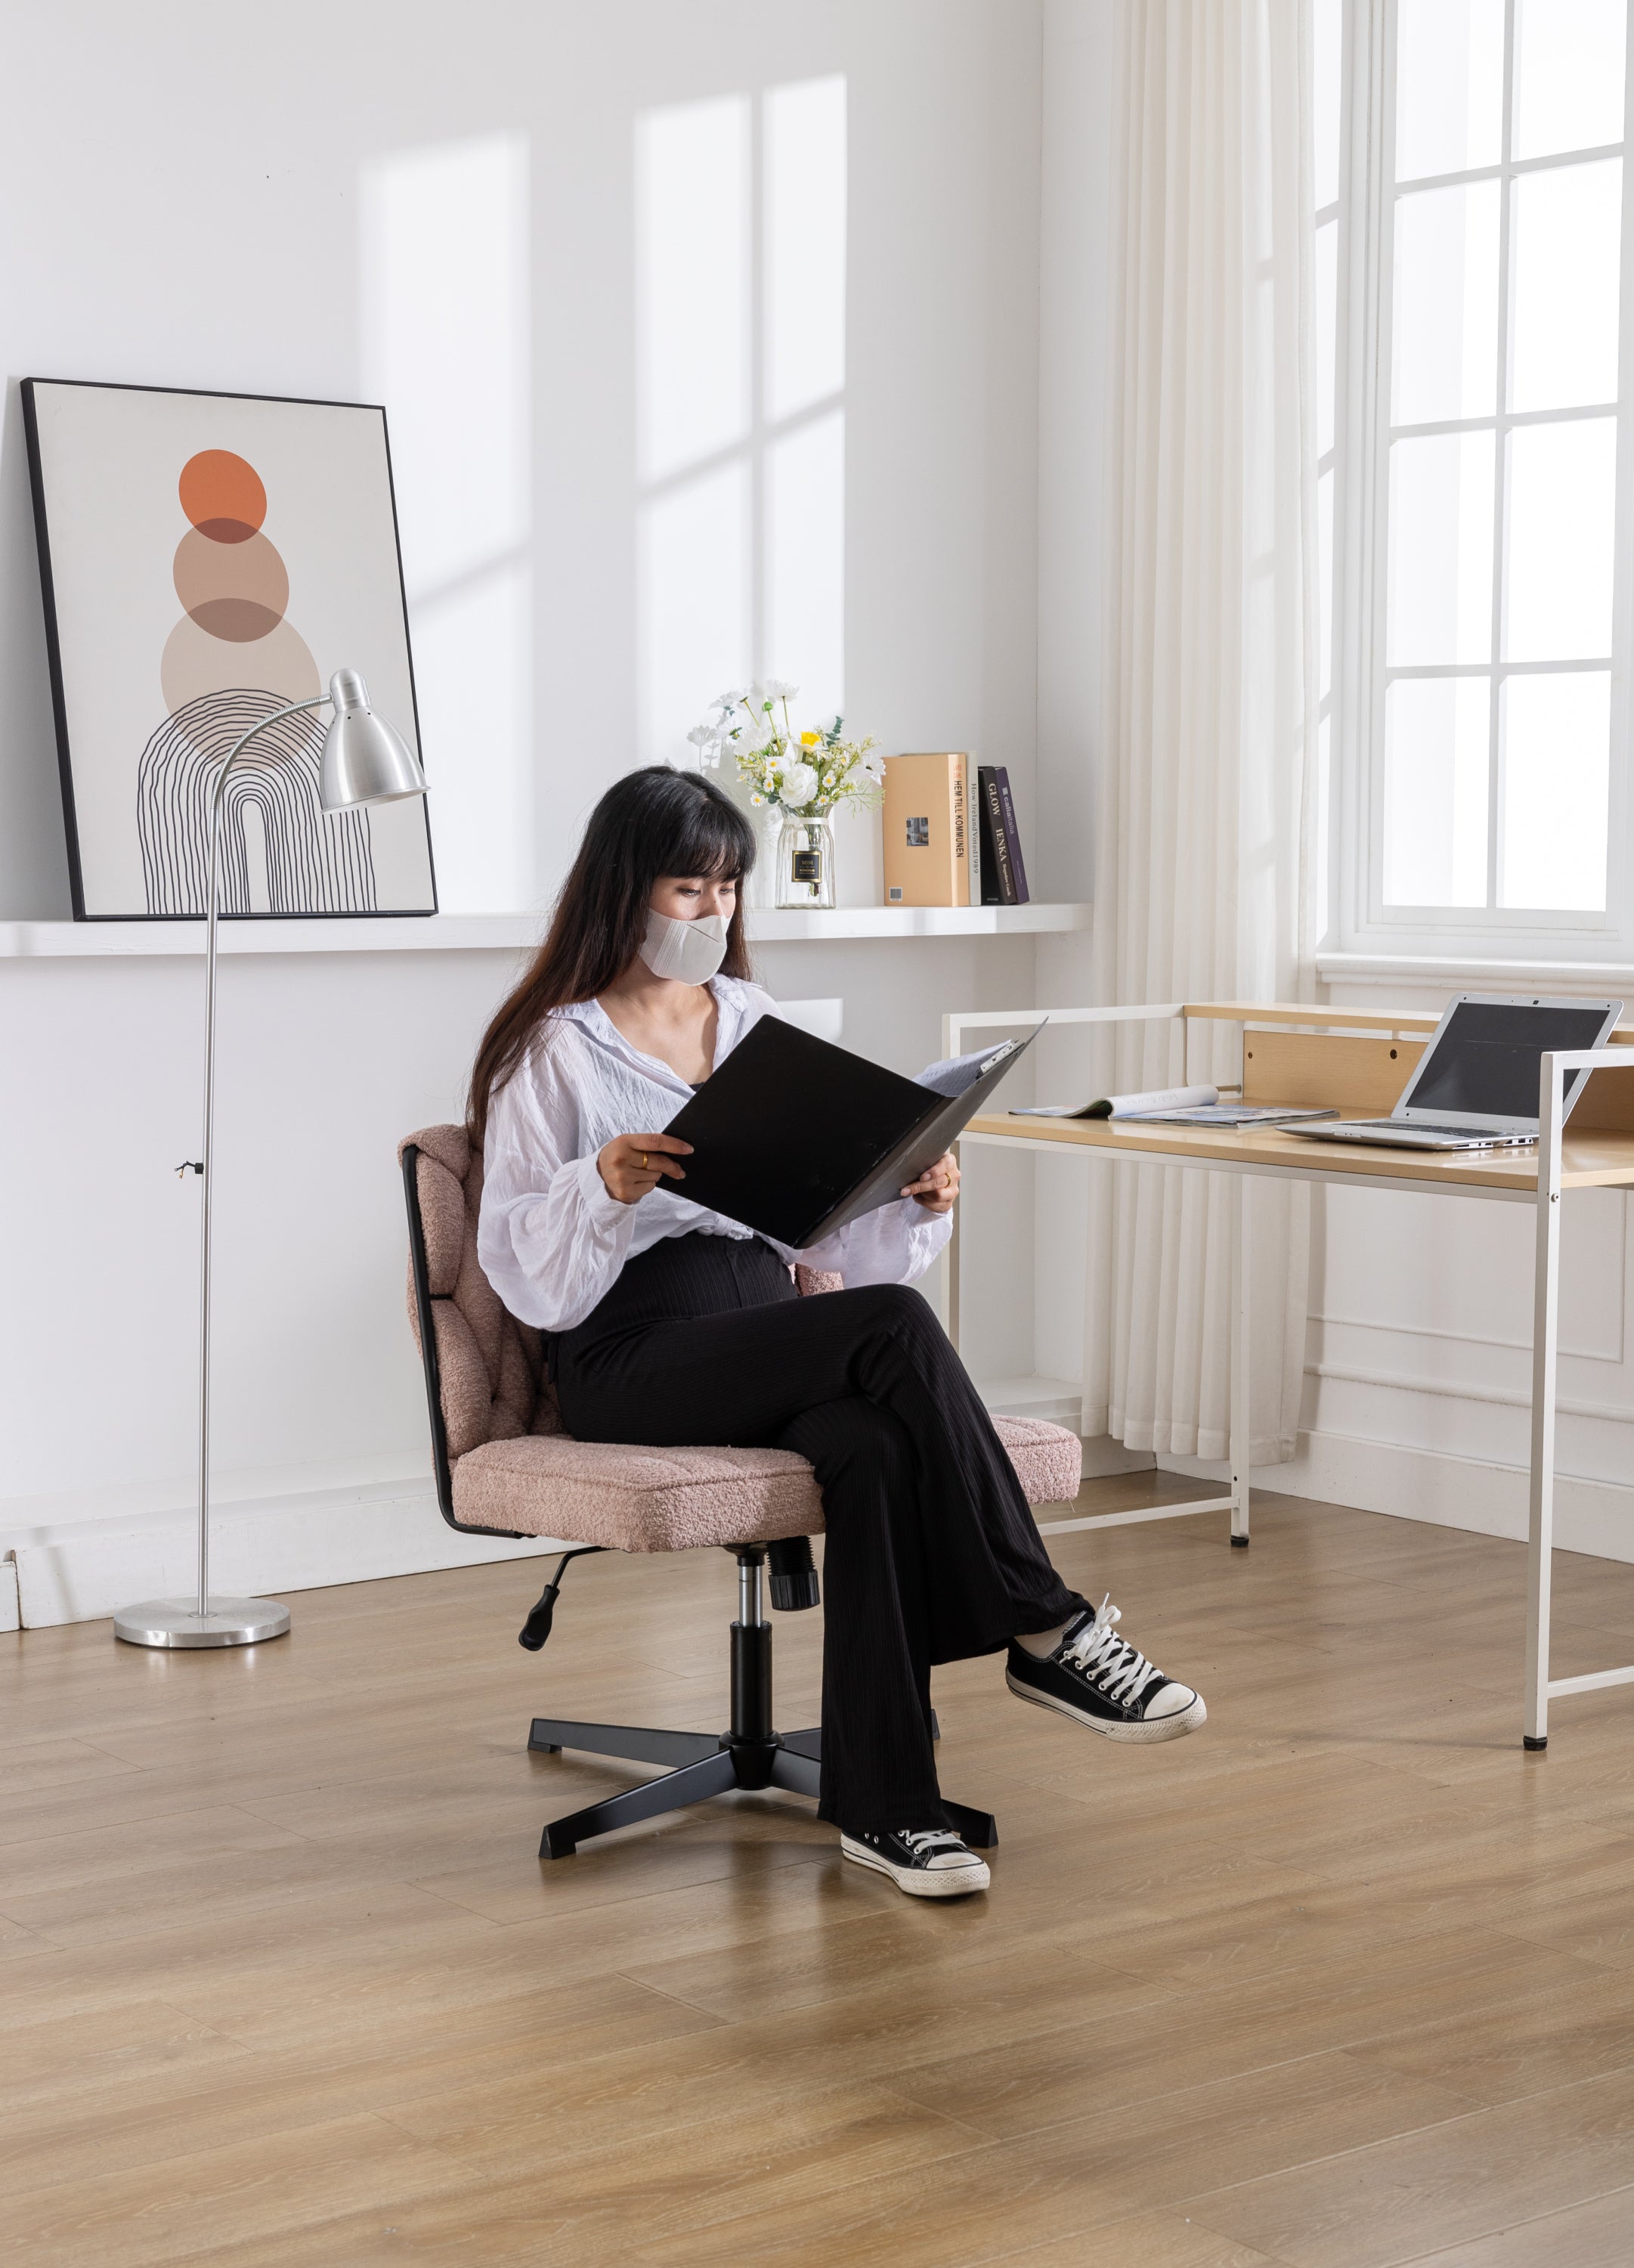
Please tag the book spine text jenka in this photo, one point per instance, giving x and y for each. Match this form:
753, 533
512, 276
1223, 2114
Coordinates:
1012, 838
1003, 877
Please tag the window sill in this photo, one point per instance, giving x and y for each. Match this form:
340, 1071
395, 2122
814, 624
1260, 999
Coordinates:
1469, 972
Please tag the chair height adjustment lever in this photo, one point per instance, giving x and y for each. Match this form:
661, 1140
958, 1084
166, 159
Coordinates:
536, 1629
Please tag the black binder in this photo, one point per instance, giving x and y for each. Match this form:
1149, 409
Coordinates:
794, 1137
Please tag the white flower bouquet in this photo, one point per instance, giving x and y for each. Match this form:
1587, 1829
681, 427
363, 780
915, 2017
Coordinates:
807, 775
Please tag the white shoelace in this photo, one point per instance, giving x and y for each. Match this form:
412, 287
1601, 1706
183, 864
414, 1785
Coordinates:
922, 1840
1119, 1668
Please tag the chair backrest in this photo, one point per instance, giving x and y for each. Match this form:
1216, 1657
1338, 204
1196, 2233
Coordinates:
484, 1371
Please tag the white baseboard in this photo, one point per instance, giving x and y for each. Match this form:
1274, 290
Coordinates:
81, 1572
1443, 1491
1590, 1516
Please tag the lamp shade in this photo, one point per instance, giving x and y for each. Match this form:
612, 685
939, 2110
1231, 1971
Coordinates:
364, 760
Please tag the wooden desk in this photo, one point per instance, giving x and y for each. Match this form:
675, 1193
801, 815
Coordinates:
1357, 1062
1593, 1159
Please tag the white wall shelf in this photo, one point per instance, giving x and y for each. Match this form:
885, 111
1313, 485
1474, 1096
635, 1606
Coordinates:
774, 928
27, 940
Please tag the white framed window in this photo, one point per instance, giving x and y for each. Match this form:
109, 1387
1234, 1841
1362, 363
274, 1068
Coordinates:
1475, 504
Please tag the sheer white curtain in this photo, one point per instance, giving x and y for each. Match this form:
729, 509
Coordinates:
1209, 727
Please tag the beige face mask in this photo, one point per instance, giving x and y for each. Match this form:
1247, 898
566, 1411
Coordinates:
691, 952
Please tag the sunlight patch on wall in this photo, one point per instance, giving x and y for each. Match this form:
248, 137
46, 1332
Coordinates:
740, 228
445, 319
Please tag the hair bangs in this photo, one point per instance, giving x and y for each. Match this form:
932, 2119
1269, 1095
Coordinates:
713, 841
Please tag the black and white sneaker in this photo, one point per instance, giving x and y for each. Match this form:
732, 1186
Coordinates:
1099, 1678
927, 1862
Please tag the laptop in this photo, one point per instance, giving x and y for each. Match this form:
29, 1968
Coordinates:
1475, 1086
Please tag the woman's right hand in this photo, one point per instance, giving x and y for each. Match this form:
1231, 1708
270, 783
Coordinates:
632, 1163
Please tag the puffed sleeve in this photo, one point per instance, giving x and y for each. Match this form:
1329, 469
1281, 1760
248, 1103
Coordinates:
550, 1238
894, 1244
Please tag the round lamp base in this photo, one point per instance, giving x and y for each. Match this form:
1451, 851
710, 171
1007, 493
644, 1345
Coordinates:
177, 1621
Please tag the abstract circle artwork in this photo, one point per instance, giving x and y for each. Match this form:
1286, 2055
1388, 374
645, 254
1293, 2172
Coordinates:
210, 560
233, 658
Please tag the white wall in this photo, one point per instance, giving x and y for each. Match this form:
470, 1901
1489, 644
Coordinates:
214, 208
205, 200
291, 251
1080, 58
1080, 53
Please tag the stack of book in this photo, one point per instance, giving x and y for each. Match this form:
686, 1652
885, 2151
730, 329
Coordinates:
951, 837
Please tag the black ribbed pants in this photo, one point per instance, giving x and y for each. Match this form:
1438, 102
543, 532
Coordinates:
932, 1552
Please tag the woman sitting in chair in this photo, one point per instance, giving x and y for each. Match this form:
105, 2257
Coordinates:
674, 1326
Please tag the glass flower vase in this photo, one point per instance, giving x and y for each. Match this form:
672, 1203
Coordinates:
806, 861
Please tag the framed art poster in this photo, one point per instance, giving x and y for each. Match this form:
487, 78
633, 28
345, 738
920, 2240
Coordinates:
206, 558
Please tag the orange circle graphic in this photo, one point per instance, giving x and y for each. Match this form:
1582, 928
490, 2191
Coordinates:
223, 496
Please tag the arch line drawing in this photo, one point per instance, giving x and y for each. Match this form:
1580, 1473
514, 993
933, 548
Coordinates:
316, 862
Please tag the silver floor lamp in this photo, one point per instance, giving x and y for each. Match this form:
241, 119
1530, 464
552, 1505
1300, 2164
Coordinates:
363, 761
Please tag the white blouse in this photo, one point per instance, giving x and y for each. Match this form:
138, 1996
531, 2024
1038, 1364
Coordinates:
550, 1238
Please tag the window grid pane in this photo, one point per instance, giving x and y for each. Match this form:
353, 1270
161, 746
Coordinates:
1557, 730
1568, 75
1495, 781
1444, 328
1437, 731
1567, 230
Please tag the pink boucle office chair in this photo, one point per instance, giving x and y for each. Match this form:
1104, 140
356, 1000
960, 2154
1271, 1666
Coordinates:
505, 1467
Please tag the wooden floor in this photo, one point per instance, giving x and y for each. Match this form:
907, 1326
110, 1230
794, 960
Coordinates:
1345, 1980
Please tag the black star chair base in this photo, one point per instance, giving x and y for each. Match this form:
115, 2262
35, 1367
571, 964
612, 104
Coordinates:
749, 1754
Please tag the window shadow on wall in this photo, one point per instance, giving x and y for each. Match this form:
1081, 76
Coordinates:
740, 226
446, 320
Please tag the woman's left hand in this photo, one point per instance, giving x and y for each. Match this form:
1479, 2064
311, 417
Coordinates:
937, 1185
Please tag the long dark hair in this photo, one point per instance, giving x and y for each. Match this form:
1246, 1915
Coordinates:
652, 822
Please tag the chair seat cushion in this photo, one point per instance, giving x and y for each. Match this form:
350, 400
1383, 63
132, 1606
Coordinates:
1048, 1460
642, 1499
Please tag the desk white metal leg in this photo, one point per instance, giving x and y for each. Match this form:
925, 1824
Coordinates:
1540, 1687
1545, 1350
953, 1030
1242, 1363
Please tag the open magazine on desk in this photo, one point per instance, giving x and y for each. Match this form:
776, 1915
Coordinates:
1174, 1106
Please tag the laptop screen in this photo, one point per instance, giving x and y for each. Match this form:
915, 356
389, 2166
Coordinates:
1487, 1060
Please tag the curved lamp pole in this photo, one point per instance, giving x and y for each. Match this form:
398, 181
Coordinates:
363, 761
